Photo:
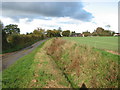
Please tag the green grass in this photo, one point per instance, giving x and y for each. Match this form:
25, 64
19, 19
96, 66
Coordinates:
0, 80
107, 43
35, 70
61, 63
19, 74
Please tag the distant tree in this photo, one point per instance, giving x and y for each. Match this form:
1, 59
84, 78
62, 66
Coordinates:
56, 33
94, 34
66, 33
112, 33
108, 26
53, 33
1, 25
27, 33
5, 44
50, 33
107, 33
60, 29
101, 32
86, 33
73, 32
12, 29
31, 33
39, 32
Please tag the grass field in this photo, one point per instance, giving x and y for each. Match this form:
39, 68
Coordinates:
107, 43
61, 63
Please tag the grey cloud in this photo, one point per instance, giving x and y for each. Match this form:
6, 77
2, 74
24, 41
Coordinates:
31, 10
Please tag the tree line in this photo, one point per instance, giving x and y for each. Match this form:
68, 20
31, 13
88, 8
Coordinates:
12, 40
99, 32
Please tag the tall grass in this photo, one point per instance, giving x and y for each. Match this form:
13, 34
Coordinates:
83, 64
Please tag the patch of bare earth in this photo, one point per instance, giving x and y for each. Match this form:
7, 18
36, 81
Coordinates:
54, 84
113, 52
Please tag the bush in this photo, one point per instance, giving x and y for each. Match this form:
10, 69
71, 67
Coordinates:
19, 41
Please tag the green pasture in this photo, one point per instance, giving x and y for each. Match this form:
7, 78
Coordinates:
106, 43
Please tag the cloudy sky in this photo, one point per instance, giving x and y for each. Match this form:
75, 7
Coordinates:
78, 16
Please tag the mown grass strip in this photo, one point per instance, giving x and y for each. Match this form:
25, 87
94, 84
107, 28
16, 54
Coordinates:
19, 74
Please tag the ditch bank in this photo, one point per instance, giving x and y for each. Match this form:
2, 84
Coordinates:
84, 65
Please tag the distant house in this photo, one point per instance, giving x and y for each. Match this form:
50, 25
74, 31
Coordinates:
76, 35
116, 34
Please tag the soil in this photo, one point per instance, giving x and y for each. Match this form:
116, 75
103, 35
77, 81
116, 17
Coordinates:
113, 52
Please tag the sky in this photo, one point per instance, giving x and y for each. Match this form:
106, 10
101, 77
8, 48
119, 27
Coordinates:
73, 15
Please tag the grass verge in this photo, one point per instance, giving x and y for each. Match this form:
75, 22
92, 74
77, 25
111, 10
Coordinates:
19, 74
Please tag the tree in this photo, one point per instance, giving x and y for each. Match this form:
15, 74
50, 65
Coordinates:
53, 33
60, 29
86, 33
66, 33
1, 25
108, 26
12, 29
107, 33
101, 32
27, 33
56, 33
39, 32
49, 33
5, 44
73, 32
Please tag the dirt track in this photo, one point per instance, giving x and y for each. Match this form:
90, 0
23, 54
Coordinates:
10, 58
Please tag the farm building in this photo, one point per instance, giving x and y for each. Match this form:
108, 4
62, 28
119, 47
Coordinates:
76, 35
116, 34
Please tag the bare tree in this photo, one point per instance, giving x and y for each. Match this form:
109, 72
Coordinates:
108, 26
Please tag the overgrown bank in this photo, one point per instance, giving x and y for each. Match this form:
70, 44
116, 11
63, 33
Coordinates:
63, 64
82, 64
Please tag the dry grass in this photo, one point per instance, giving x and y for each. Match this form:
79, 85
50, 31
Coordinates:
83, 64
47, 74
